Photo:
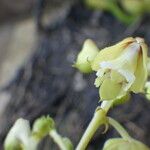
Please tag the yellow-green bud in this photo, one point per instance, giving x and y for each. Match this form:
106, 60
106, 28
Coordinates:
135, 7
86, 56
123, 144
42, 127
121, 68
147, 5
13, 145
99, 4
18, 136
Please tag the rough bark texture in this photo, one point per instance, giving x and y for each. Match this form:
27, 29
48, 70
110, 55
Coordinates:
48, 84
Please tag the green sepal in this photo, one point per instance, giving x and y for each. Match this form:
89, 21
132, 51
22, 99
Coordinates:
42, 127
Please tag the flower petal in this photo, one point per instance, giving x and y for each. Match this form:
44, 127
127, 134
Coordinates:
141, 71
109, 90
110, 53
140, 77
116, 76
99, 81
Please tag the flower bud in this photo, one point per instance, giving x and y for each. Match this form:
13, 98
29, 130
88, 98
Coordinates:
112, 6
42, 127
135, 7
121, 68
86, 56
99, 4
147, 5
18, 135
123, 144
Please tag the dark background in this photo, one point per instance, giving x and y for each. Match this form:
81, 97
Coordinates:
36, 77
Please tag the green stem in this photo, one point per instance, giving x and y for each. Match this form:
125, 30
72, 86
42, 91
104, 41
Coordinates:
106, 105
34, 145
120, 14
57, 139
119, 128
98, 119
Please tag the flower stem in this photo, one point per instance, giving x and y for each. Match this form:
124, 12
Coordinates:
106, 105
120, 14
57, 139
121, 130
98, 119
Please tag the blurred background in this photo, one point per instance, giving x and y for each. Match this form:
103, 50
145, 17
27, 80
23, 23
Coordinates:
39, 41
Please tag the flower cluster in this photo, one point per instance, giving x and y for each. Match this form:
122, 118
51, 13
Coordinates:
120, 69
21, 137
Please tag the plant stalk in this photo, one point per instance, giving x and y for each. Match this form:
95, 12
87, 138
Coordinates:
57, 139
98, 120
121, 130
